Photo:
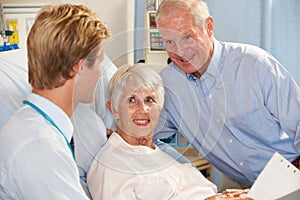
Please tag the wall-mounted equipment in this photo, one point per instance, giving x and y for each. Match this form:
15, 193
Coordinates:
7, 35
154, 51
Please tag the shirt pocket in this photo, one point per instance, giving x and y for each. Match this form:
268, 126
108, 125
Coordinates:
258, 126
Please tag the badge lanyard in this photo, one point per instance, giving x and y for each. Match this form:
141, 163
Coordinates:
49, 120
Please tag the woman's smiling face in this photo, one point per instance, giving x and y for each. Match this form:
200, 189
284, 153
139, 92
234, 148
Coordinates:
138, 112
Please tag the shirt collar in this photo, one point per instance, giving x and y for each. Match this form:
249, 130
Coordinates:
59, 117
215, 60
117, 140
212, 69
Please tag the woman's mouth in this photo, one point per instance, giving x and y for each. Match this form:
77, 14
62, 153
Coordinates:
141, 122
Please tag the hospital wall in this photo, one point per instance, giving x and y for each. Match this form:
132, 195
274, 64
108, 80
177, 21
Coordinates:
119, 17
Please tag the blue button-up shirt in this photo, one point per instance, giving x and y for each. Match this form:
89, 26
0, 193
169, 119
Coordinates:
237, 114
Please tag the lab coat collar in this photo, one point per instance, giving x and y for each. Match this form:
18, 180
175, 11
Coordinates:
59, 117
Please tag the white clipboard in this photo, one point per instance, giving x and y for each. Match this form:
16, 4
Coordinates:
278, 180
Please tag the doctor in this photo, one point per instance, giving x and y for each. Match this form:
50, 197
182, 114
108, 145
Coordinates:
234, 103
89, 127
63, 71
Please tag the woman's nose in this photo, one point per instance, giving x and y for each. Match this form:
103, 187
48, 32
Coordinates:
143, 107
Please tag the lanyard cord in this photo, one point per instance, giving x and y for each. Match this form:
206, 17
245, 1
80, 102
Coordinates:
51, 122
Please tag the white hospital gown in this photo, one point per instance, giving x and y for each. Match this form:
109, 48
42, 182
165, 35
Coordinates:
123, 171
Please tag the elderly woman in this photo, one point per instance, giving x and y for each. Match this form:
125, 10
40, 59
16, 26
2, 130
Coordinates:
130, 166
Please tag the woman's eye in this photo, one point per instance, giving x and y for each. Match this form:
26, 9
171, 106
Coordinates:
131, 100
150, 100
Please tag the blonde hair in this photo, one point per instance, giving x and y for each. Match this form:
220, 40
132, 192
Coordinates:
197, 8
60, 36
136, 77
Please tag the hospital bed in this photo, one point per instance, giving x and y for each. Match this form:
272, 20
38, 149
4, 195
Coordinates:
13, 82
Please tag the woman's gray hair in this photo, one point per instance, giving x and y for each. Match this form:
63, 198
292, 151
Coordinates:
138, 76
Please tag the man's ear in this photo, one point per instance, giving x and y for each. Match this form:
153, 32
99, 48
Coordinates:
77, 68
210, 25
111, 109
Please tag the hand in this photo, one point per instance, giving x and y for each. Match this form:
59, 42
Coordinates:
232, 194
108, 132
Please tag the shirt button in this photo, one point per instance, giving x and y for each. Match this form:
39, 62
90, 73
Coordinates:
230, 141
210, 96
241, 163
218, 120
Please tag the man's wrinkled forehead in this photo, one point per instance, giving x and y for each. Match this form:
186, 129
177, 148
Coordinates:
175, 18
176, 22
